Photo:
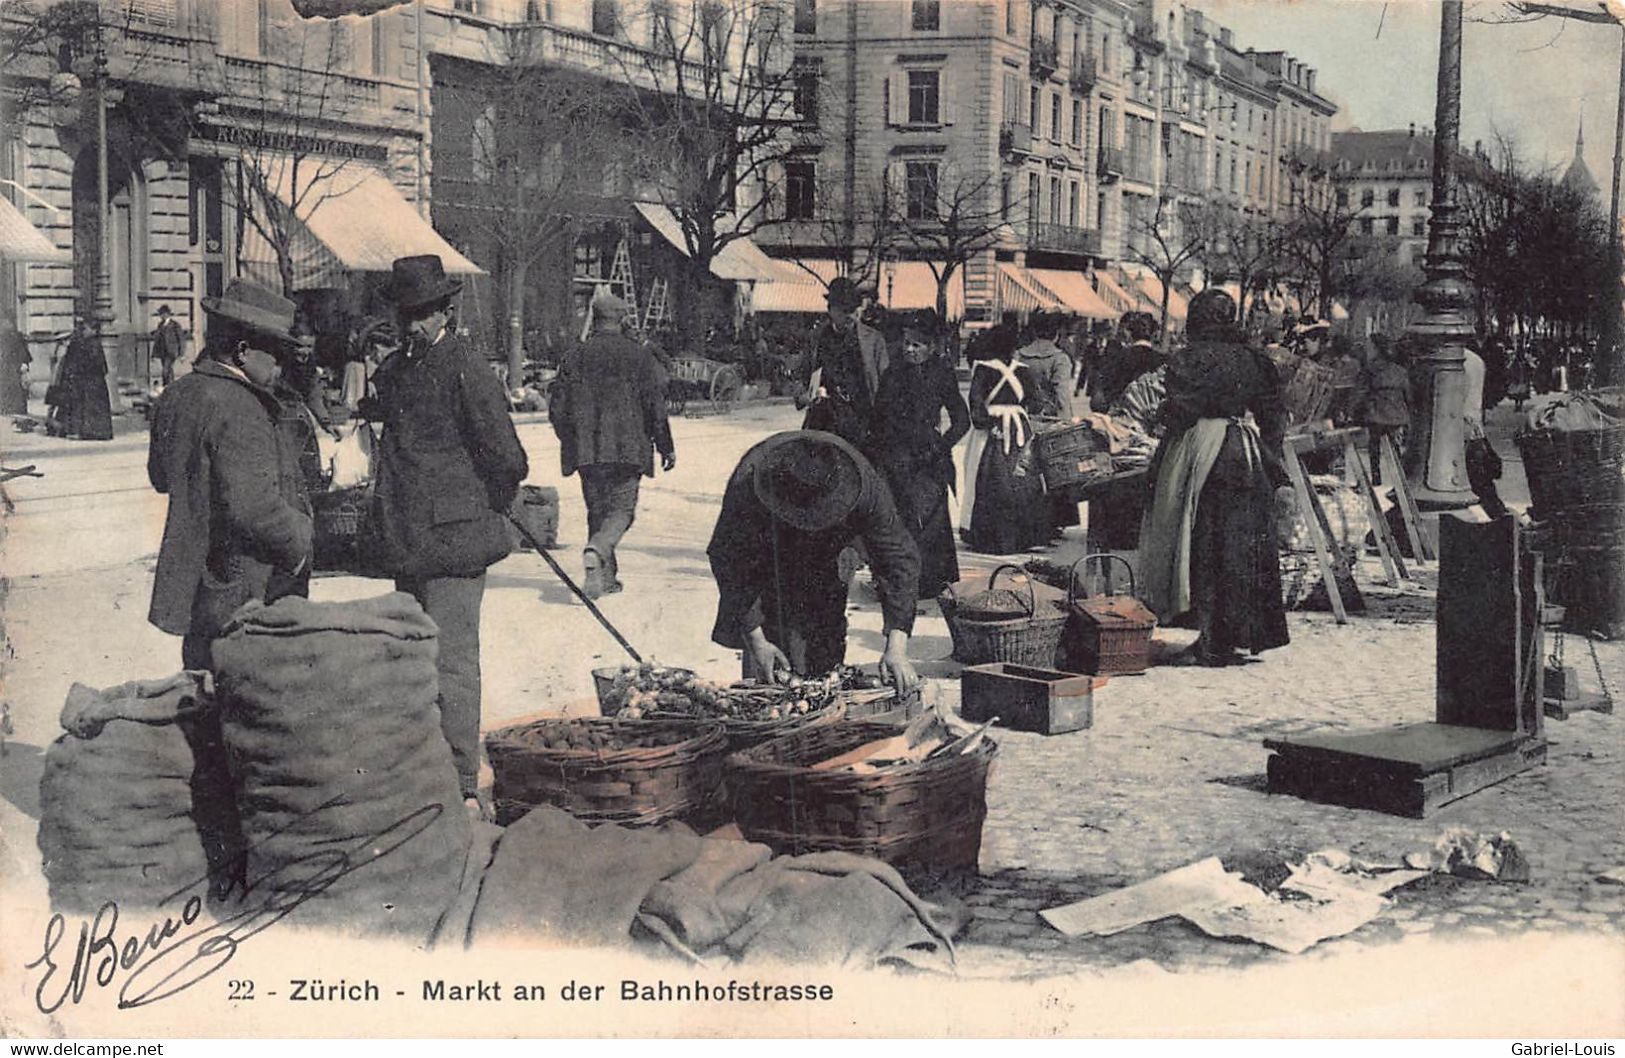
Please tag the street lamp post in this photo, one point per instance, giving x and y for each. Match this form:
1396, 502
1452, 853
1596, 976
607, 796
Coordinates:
102, 308
1436, 456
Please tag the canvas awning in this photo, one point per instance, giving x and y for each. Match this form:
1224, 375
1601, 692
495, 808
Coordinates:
21, 241
739, 260
1020, 292
348, 218
794, 289
1151, 287
1072, 289
912, 285
1115, 296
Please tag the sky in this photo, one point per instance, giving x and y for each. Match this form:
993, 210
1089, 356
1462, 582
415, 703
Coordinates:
1379, 61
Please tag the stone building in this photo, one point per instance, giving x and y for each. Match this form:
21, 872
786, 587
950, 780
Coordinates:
241, 139
1070, 119
1384, 178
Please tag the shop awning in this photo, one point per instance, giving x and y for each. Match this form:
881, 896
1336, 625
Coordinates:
1020, 293
21, 241
1151, 286
350, 219
912, 285
795, 288
739, 260
1072, 289
1114, 295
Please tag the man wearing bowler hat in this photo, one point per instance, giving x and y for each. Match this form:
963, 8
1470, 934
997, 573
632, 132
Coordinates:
449, 467
792, 504
847, 362
239, 525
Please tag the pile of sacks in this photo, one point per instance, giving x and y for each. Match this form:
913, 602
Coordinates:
315, 776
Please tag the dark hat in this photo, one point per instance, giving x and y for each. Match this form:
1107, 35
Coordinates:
843, 294
1211, 311
809, 479
418, 281
163, 310
251, 305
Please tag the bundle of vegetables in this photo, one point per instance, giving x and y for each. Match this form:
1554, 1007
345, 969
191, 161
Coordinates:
640, 690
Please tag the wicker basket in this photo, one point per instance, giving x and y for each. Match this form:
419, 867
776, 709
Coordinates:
1110, 635
1071, 455
637, 786
927, 814
1573, 468
1031, 637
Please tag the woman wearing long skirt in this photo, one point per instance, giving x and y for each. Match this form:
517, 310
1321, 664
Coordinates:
82, 407
1010, 512
1209, 551
909, 448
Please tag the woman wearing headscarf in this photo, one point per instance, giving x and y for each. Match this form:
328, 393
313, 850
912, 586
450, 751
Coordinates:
1009, 513
1209, 551
915, 455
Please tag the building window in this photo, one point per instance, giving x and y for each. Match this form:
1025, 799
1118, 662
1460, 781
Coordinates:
1032, 109
1055, 116
920, 190
1106, 52
1368, 198
714, 31
806, 16
1012, 99
800, 190
1343, 196
538, 10
1235, 186
1393, 225
605, 20
1006, 200
1010, 18
806, 93
483, 145
465, 6
1393, 197
927, 14
1032, 198
1419, 198
1249, 176
1055, 200
1072, 216
1365, 225
1419, 225
923, 97
1077, 123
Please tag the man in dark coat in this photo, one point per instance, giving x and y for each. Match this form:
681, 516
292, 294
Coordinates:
14, 363
844, 371
792, 504
449, 467
609, 410
239, 523
168, 343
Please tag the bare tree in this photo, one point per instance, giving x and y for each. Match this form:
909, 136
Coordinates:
710, 91
540, 138
932, 213
1317, 232
283, 176
1167, 240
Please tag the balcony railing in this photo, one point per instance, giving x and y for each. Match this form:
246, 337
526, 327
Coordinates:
1015, 139
1063, 238
1109, 164
1045, 57
1085, 72
1144, 31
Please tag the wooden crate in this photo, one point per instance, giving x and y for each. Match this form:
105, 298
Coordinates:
1028, 699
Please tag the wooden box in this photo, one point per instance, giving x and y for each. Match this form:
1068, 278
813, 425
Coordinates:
1028, 699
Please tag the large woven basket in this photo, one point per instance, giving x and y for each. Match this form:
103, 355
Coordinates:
1032, 637
1071, 455
928, 814
636, 786
1573, 468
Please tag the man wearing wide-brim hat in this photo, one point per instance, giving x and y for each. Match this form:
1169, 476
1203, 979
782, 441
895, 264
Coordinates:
792, 504
449, 467
239, 525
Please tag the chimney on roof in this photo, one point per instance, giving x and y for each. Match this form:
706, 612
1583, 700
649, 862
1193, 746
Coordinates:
1225, 37
1309, 79
1413, 130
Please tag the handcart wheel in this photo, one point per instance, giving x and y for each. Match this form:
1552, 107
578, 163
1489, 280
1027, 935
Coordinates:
725, 387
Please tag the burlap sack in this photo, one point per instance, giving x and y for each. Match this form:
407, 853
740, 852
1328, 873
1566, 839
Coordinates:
346, 787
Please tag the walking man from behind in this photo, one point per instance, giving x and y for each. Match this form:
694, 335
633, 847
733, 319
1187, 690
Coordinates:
449, 467
609, 411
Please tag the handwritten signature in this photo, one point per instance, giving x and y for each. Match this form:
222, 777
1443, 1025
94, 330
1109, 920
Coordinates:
165, 961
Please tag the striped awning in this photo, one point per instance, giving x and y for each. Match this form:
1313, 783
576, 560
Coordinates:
1072, 289
1020, 292
1114, 295
21, 241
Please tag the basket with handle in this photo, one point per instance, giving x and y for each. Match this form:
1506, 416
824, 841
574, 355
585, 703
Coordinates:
1110, 634
1029, 636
